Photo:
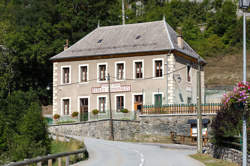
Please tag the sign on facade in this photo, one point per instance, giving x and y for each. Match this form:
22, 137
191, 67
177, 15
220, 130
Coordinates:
116, 87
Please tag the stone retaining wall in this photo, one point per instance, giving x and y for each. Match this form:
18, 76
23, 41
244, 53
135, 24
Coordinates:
123, 129
164, 124
228, 154
147, 128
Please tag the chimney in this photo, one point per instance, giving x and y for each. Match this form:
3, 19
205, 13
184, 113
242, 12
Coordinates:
66, 46
180, 41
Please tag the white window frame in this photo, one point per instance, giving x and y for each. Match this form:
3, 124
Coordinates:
124, 102
97, 73
156, 93
65, 98
163, 67
133, 99
106, 104
68, 66
124, 70
79, 71
134, 73
78, 102
190, 74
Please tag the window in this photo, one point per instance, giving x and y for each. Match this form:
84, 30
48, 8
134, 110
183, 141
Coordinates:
158, 68
65, 75
65, 106
120, 74
102, 104
102, 72
188, 73
83, 74
189, 100
119, 103
138, 70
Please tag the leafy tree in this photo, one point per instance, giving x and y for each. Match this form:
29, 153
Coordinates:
21, 126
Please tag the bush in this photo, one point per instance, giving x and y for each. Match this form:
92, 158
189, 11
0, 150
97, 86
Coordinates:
74, 114
95, 111
56, 116
124, 110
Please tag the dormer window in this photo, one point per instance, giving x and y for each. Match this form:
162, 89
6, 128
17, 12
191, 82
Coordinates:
99, 41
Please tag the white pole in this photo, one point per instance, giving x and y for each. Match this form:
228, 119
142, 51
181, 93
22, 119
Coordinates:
244, 128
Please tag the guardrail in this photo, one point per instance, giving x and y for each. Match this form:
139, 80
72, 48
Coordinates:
211, 108
48, 160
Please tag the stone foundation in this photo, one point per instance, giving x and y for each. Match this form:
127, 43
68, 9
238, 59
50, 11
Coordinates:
223, 153
150, 128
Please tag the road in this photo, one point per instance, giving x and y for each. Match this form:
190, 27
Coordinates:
108, 153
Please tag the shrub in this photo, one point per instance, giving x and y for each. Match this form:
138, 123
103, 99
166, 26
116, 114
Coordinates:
124, 110
56, 116
227, 124
95, 111
74, 114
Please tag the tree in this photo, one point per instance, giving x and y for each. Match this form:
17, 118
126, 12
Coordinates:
21, 126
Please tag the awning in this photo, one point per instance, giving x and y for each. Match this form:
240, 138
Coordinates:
194, 121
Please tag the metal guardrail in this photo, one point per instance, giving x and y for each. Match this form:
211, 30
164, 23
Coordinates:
49, 159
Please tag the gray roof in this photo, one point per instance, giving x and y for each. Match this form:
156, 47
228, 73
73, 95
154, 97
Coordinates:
124, 39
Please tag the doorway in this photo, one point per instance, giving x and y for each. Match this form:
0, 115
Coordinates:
84, 109
138, 102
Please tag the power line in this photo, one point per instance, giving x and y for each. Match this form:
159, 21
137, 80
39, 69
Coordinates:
127, 79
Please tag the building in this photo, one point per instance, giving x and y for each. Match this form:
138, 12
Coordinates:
148, 63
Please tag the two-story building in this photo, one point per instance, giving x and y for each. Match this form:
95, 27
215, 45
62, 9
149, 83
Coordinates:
148, 63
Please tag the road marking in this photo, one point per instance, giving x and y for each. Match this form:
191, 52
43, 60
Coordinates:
141, 156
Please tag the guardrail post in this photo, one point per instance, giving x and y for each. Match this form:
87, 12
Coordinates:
59, 161
67, 161
50, 162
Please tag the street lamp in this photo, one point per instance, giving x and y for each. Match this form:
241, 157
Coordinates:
244, 4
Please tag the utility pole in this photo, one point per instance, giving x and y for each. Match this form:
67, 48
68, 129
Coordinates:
110, 113
123, 13
199, 116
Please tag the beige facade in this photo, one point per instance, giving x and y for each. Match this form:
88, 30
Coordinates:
148, 64
173, 85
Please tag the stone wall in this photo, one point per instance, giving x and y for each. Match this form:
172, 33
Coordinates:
228, 154
123, 129
147, 128
164, 124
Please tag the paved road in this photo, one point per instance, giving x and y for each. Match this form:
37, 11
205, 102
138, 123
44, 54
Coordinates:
108, 153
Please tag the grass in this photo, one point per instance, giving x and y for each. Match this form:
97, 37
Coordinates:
72, 145
210, 161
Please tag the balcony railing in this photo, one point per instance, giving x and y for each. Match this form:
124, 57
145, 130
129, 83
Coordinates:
211, 108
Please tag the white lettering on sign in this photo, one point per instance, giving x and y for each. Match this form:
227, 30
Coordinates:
113, 88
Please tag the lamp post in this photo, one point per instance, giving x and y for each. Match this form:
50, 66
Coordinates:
244, 4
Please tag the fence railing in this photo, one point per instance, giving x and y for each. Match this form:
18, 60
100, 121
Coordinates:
211, 108
48, 160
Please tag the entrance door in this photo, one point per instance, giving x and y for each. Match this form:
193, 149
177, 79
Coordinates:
84, 109
138, 102
158, 102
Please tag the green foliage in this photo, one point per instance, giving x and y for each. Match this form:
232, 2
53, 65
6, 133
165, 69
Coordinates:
95, 111
74, 114
124, 110
56, 116
227, 125
23, 130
